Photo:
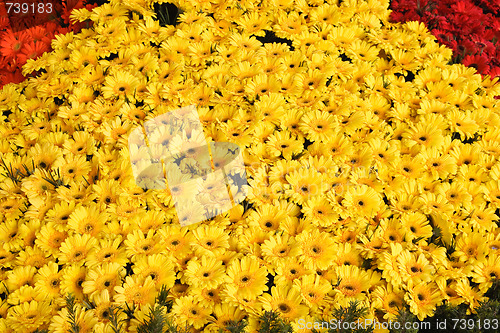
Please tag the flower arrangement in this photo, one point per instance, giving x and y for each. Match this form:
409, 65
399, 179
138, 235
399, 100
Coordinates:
28, 36
471, 28
318, 95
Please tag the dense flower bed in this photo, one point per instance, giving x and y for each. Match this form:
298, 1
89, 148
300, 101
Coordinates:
471, 28
28, 36
373, 166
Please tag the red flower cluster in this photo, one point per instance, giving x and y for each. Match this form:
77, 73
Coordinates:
489, 6
28, 36
471, 28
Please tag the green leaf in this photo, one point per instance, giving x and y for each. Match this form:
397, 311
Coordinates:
70, 304
270, 322
404, 316
350, 314
235, 326
155, 323
116, 324
162, 298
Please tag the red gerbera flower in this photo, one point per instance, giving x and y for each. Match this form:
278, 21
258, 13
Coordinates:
52, 27
20, 22
4, 22
446, 38
64, 30
40, 34
6, 65
442, 35
494, 72
467, 8
479, 62
7, 76
12, 43
469, 46
492, 6
436, 20
32, 50
37, 33
495, 27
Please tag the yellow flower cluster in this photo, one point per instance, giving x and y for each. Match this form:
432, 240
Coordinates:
350, 100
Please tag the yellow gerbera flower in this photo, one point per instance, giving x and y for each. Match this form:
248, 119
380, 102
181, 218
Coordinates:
416, 225
315, 245
314, 290
414, 268
76, 248
120, 84
262, 84
108, 250
32, 256
438, 165
485, 273
48, 280
247, 277
346, 254
318, 125
224, 315
320, 212
209, 240
471, 294
449, 290
284, 144
89, 220
362, 200
470, 247
139, 244
305, 184
352, 283
289, 271
268, 217
136, 291
389, 299
28, 316
207, 272
187, 311
287, 301
422, 298
72, 280
279, 248
103, 277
